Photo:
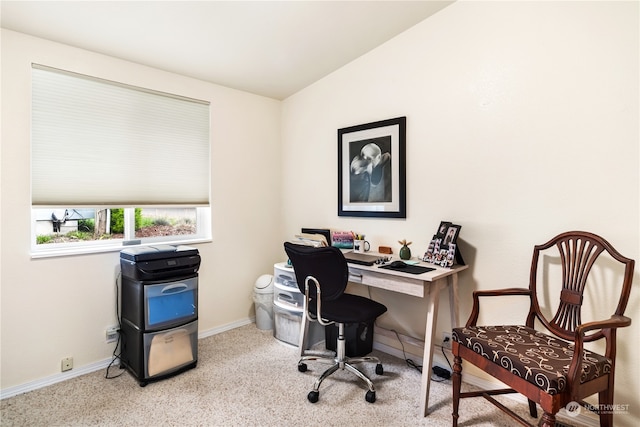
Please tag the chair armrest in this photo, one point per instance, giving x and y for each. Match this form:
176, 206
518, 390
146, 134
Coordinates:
615, 321
473, 317
575, 368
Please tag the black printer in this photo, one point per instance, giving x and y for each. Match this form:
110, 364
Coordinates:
151, 263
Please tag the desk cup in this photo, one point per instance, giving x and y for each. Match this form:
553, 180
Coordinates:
361, 246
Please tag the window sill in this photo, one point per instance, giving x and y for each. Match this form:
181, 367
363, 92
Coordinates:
115, 247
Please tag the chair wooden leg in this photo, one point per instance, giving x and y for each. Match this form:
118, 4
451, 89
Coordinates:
457, 384
533, 411
605, 399
548, 420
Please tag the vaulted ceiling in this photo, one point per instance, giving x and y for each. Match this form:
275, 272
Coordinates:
270, 48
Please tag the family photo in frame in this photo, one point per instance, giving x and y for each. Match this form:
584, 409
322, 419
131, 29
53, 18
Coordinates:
443, 250
372, 169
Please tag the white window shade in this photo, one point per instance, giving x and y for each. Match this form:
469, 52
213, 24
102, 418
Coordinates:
96, 142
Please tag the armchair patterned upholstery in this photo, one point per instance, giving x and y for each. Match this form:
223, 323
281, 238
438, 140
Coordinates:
551, 368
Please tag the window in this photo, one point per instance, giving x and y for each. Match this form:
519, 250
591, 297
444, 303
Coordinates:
73, 230
114, 164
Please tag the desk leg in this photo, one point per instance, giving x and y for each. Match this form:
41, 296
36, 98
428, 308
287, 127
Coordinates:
429, 337
454, 300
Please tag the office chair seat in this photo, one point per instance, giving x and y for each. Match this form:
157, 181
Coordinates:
322, 275
349, 309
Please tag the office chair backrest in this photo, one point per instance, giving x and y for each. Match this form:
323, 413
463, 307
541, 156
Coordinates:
326, 264
578, 251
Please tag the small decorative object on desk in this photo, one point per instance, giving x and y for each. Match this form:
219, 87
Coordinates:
443, 249
405, 252
342, 239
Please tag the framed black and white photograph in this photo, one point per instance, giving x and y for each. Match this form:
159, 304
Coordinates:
442, 229
372, 169
451, 235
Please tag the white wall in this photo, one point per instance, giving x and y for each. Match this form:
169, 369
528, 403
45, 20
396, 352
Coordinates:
59, 307
522, 122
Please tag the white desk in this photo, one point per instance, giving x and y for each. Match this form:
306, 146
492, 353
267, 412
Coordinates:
426, 285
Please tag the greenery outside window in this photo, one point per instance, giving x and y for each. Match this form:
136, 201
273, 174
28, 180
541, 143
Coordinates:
63, 231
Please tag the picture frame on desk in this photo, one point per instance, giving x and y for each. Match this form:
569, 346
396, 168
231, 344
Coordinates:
372, 169
442, 229
443, 248
451, 236
440, 254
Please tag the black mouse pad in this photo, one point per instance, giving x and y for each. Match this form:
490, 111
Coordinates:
411, 269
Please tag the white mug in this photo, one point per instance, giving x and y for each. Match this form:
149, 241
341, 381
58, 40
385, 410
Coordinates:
361, 246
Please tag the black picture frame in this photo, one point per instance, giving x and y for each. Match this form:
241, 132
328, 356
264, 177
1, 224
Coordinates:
442, 228
372, 169
451, 235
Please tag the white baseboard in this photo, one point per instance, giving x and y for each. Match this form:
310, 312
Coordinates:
229, 326
102, 364
53, 379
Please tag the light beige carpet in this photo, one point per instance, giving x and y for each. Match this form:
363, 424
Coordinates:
245, 377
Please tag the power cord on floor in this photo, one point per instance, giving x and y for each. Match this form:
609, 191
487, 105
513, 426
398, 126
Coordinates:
116, 354
441, 373
115, 357
409, 362
447, 339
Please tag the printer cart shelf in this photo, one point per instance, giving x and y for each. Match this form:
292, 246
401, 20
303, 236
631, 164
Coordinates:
159, 306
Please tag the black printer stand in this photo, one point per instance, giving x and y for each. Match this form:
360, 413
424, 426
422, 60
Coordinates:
159, 311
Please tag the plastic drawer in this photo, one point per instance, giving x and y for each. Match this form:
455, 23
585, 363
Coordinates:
286, 327
287, 297
170, 350
285, 277
287, 324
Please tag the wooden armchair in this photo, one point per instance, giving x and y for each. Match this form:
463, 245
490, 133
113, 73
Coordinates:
552, 368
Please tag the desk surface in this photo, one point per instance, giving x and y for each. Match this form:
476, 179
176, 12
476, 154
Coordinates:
395, 280
399, 281
429, 276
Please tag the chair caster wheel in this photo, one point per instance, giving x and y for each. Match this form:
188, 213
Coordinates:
314, 395
302, 367
371, 396
379, 369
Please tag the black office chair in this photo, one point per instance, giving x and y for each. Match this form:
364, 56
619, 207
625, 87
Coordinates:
322, 275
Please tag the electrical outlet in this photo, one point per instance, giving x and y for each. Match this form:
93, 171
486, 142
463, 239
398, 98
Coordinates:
111, 333
446, 340
67, 364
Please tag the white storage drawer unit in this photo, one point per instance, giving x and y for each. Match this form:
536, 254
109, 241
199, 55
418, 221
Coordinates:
288, 305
